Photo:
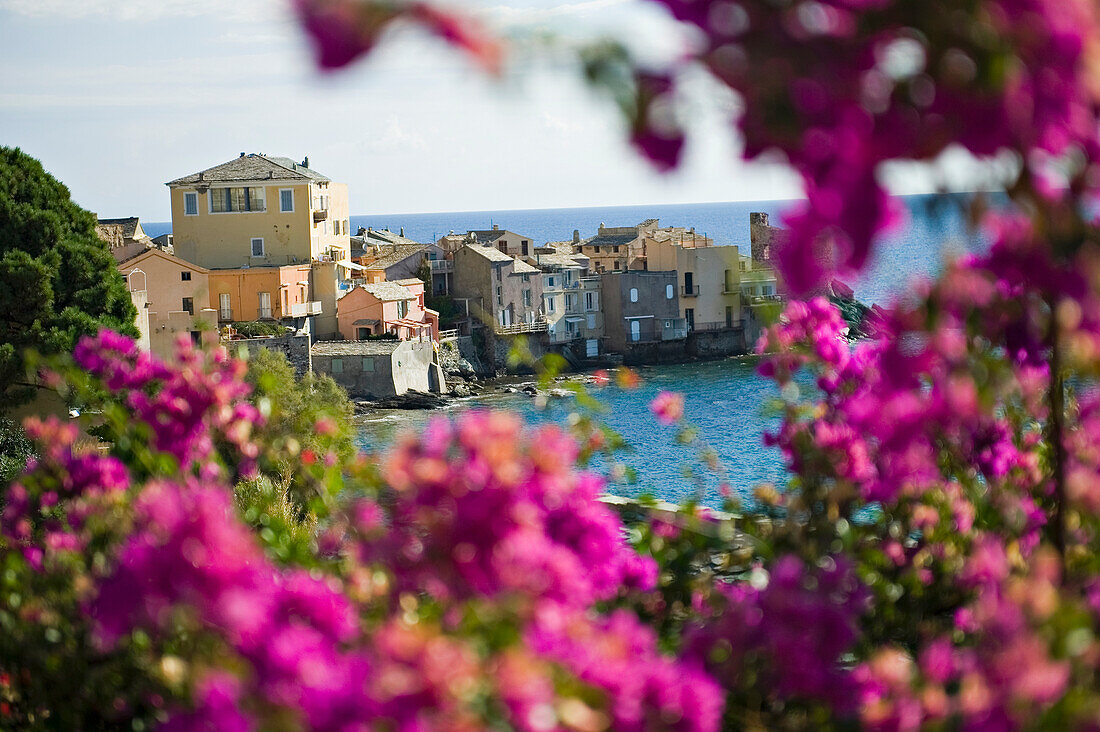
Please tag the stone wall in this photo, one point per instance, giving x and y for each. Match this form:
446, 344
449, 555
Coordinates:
716, 343
501, 346
295, 347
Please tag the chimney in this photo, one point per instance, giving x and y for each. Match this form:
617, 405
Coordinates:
496, 227
305, 162
402, 231
242, 154
602, 227
576, 236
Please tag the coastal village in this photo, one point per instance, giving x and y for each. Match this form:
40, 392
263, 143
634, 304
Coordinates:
262, 253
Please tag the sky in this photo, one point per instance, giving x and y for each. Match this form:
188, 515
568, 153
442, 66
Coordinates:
116, 97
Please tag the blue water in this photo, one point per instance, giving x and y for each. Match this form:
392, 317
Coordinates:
725, 399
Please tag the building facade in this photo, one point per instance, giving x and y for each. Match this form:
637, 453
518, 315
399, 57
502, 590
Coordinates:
387, 307
175, 301
709, 282
640, 307
259, 210
262, 293
503, 292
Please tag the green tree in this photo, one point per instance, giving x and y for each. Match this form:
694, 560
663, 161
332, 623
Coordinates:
307, 427
58, 280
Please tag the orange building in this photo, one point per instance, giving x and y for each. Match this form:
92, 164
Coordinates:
387, 307
262, 293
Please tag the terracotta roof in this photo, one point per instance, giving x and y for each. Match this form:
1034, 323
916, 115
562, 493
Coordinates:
252, 167
128, 225
562, 260
523, 268
391, 254
355, 348
609, 240
389, 291
491, 253
485, 236
131, 262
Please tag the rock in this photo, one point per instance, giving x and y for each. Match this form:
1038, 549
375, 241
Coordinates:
460, 390
530, 390
411, 400
561, 393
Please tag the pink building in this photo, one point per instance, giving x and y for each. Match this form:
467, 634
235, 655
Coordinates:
387, 307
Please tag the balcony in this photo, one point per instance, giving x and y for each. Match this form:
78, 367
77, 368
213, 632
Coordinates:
320, 215
225, 315
442, 266
302, 309
692, 291
539, 326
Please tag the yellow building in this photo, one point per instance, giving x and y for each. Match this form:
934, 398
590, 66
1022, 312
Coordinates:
259, 211
709, 280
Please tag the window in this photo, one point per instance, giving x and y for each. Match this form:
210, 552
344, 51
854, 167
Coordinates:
265, 305
500, 296
549, 304
196, 337
591, 322
526, 278
633, 294
568, 301
361, 334
190, 204
527, 298
669, 292
523, 247
185, 276
591, 301
615, 249
223, 305
226, 200
368, 363
635, 330
616, 264
337, 365
499, 270
549, 281
257, 247
189, 305
286, 200
402, 308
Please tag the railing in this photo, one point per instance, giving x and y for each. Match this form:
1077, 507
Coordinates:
225, 315
718, 325
448, 335
692, 291
441, 266
320, 214
301, 309
539, 326
763, 299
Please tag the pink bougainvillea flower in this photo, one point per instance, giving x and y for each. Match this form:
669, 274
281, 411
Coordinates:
668, 407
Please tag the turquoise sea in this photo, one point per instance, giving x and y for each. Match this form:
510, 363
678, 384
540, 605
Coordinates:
726, 400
